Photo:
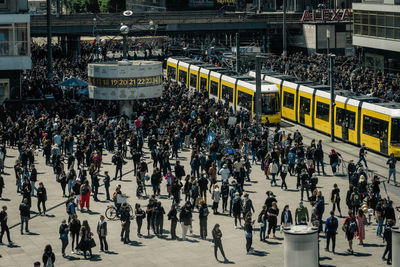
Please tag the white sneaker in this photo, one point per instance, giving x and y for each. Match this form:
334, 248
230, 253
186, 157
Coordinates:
72, 252
236, 227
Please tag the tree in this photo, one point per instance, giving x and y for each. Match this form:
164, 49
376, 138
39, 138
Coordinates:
92, 6
115, 6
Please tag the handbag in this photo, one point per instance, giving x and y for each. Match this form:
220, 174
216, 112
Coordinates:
92, 243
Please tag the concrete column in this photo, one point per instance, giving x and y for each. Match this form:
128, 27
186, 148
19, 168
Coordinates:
126, 108
396, 246
301, 246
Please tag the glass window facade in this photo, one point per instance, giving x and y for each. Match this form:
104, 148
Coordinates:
14, 39
377, 24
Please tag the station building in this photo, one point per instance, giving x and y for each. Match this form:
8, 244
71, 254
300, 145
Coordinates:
15, 47
377, 33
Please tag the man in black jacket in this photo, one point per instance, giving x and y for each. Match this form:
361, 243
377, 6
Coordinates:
42, 197
125, 222
4, 226
203, 214
179, 170
185, 219
118, 162
304, 178
25, 213
387, 236
203, 185
33, 179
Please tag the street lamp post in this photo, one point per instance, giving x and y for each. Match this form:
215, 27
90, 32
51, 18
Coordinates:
328, 38
49, 48
124, 31
284, 52
331, 83
258, 90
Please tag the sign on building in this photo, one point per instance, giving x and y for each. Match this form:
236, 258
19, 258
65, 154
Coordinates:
326, 15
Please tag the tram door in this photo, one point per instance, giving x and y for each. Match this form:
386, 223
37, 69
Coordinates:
304, 109
345, 127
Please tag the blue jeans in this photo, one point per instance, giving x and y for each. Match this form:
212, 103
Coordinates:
254, 159
70, 187
24, 220
262, 230
362, 158
392, 171
273, 178
379, 228
33, 188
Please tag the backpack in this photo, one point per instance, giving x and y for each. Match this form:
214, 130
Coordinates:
85, 190
331, 223
49, 262
205, 212
352, 226
236, 204
356, 199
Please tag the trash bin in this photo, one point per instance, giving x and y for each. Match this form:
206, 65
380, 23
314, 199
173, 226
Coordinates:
300, 246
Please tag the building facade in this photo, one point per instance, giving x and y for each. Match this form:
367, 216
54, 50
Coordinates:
376, 34
15, 47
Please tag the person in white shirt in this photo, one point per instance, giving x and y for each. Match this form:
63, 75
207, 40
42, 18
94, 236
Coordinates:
224, 172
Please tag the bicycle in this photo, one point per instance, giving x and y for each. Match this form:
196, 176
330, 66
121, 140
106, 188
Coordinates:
112, 212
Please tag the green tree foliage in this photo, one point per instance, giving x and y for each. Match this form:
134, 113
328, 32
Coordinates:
84, 6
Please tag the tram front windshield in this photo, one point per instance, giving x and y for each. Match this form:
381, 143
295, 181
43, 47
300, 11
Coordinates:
270, 103
395, 140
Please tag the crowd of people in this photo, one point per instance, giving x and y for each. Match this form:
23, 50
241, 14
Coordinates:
72, 138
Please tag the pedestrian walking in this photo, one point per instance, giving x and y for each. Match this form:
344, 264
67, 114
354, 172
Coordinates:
140, 214
74, 229
125, 223
387, 237
48, 257
392, 168
248, 233
335, 198
102, 233
118, 161
237, 209
33, 179
85, 195
172, 216
87, 243
4, 226
159, 218
106, 181
185, 218
63, 231
262, 220
2, 185
150, 215
217, 240
350, 228
284, 169
361, 220
41, 197
331, 225
216, 194
273, 213
203, 216
25, 214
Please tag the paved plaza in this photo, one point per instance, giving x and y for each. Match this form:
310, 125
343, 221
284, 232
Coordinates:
154, 251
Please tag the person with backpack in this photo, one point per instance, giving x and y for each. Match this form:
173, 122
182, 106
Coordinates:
262, 220
283, 170
48, 257
331, 226
350, 228
63, 231
85, 195
355, 200
203, 215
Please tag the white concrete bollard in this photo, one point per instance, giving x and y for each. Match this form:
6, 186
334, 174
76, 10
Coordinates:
301, 246
396, 246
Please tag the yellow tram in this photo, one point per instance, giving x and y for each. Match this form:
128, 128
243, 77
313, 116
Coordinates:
358, 119
238, 91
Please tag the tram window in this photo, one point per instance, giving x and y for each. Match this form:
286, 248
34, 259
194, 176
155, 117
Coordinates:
322, 111
288, 100
214, 88
269, 103
245, 100
227, 93
395, 139
171, 72
182, 76
203, 84
305, 104
348, 116
374, 127
193, 80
